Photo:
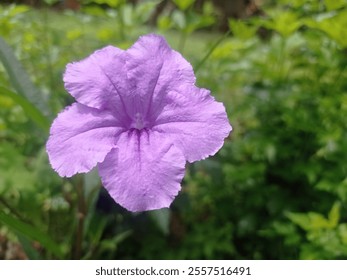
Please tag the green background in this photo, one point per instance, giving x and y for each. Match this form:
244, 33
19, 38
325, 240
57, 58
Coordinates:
276, 190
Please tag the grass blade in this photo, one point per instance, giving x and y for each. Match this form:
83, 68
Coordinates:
28, 248
32, 233
29, 109
19, 78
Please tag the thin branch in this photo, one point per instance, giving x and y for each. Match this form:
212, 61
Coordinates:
202, 61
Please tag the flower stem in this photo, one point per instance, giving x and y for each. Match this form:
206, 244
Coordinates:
81, 214
208, 54
182, 41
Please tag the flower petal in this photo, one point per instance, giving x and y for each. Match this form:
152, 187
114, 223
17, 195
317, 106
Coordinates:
100, 81
144, 171
80, 137
153, 69
194, 121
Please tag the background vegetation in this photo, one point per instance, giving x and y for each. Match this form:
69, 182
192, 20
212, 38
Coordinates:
277, 189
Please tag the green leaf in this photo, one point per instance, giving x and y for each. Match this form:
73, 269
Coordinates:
15, 10
14, 173
342, 232
28, 248
183, 4
94, 11
312, 221
32, 233
164, 22
241, 30
179, 19
301, 220
127, 14
143, 11
334, 214
334, 4
112, 243
285, 23
111, 3
333, 25
162, 218
19, 78
195, 21
318, 221
30, 110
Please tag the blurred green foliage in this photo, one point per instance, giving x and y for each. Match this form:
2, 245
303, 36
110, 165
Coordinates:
276, 190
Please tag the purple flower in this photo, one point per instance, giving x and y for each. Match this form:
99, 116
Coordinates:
138, 117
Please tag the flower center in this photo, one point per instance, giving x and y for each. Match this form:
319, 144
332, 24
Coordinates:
138, 122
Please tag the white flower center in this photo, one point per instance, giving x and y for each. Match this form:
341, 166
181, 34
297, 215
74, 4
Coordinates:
138, 122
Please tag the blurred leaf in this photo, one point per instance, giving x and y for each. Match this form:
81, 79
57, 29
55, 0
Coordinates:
94, 235
309, 221
183, 4
299, 219
335, 4
91, 183
285, 23
208, 8
127, 14
20, 79
6, 102
334, 214
196, 21
28, 248
10, 16
32, 233
51, 2
318, 221
111, 3
28, 108
229, 48
295, 3
241, 30
342, 231
179, 19
162, 219
73, 34
14, 173
144, 10
105, 34
314, 221
14, 10
94, 11
333, 24
112, 244
164, 22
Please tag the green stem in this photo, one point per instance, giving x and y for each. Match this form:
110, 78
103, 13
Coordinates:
281, 59
81, 214
121, 22
47, 47
208, 54
182, 41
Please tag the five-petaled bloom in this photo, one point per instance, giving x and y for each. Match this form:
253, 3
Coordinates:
138, 117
